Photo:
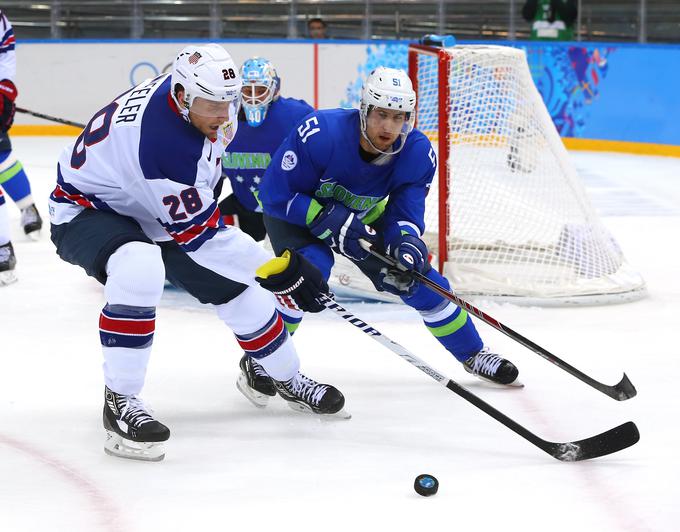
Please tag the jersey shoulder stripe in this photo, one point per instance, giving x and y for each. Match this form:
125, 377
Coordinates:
8, 41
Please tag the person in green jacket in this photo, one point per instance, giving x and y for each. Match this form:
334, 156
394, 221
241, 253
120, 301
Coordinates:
551, 20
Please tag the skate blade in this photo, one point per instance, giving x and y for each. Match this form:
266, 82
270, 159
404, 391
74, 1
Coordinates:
340, 414
491, 384
260, 400
116, 445
7, 278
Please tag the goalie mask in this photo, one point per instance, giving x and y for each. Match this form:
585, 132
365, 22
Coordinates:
391, 89
210, 79
260, 88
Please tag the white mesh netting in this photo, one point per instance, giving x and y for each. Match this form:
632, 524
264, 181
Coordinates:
520, 223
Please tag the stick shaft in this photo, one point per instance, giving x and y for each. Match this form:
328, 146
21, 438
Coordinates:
50, 118
608, 442
621, 391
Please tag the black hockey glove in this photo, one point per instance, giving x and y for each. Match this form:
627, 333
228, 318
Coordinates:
8, 93
295, 281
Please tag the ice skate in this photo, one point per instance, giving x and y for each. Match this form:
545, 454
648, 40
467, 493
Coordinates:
254, 383
307, 395
31, 221
8, 262
492, 368
131, 430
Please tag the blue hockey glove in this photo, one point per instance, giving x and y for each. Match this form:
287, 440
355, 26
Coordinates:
411, 252
340, 228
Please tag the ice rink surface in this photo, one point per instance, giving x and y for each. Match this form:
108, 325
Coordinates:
230, 466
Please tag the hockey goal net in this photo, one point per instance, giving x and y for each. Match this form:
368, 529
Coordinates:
507, 216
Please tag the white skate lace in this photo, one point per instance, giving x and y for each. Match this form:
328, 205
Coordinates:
29, 215
486, 362
259, 370
307, 389
133, 410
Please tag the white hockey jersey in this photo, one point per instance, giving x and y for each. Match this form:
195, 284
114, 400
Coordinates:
139, 158
8, 60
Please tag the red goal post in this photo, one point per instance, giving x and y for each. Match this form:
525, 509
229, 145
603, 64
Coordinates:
443, 142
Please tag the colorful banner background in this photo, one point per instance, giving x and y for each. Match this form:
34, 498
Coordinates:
614, 92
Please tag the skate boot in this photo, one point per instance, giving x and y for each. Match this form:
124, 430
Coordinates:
254, 383
307, 395
131, 431
7, 263
31, 220
492, 368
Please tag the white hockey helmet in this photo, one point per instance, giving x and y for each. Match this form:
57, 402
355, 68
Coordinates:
388, 88
206, 71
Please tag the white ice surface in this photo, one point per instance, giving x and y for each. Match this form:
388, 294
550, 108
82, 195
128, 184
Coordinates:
230, 466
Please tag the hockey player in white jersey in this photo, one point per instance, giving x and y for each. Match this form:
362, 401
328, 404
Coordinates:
134, 203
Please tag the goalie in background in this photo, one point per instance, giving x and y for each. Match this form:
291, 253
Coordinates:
264, 120
345, 175
13, 178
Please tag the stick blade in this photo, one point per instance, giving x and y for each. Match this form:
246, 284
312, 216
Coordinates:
608, 442
624, 389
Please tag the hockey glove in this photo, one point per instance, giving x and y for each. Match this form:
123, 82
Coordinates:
340, 228
411, 252
397, 282
295, 281
8, 93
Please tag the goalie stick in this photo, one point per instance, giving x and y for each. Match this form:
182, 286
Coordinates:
621, 391
608, 442
51, 118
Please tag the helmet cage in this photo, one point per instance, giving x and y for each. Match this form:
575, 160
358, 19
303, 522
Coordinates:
260, 88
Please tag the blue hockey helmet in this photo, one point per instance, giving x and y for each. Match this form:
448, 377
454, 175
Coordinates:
260, 88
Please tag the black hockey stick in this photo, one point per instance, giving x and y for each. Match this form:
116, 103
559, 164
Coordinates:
51, 118
621, 391
608, 442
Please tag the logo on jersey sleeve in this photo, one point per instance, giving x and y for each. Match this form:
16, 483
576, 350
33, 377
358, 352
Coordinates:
289, 161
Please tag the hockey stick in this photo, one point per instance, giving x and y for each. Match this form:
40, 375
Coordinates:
51, 118
621, 391
608, 442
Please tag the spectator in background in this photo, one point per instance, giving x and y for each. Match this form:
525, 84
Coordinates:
551, 20
316, 27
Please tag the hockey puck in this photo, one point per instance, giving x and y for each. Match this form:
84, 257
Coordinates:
426, 485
